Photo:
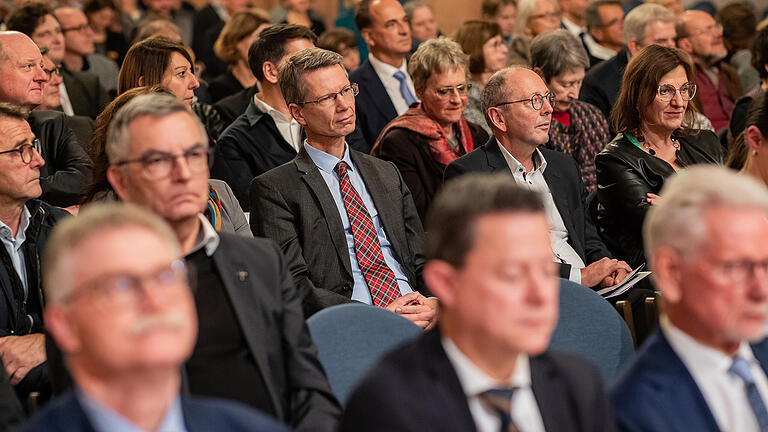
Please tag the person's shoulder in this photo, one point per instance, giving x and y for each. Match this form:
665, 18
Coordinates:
365, 70
260, 245
227, 415
61, 414
617, 147
51, 214
602, 70
574, 369
279, 174
43, 116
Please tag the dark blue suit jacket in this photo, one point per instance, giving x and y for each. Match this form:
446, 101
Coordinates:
65, 414
657, 393
373, 107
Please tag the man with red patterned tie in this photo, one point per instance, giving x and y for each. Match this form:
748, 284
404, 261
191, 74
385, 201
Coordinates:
345, 221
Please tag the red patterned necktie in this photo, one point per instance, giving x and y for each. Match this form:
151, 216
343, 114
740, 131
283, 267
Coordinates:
379, 277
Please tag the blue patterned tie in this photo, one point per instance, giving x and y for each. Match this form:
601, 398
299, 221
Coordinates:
404, 90
740, 368
500, 401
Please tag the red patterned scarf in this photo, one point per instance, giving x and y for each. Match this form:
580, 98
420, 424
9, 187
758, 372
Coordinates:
416, 120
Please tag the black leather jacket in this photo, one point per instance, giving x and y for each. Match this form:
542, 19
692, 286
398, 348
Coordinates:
626, 173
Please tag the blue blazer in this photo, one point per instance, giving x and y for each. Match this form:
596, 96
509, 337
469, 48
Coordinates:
657, 393
65, 414
373, 106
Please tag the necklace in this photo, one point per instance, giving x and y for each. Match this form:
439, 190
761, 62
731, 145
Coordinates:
652, 152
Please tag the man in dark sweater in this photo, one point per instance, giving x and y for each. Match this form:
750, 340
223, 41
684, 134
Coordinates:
253, 344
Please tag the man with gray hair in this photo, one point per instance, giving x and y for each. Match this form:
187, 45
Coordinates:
253, 344
120, 307
333, 196
705, 368
605, 30
645, 25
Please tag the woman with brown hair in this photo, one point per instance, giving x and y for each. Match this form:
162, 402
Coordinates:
232, 48
166, 62
482, 42
653, 118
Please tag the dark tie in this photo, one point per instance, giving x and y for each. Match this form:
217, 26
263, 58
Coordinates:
740, 368
379, 277
404, 89
500, 401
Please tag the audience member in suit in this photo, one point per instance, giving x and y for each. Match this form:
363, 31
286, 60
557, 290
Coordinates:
265, 136
80, 92
519, 109
386, 89
429, 136
66, 166
25, 225
11, 412
486, 367
345, 220
121, 309
648, 24
605, 30
79, 54
232, 46
704, 370
578, 128
653, 118
250, 316
209, 21
231, 107
717, 82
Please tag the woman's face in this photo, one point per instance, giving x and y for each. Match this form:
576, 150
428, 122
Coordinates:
494, 54
351, 57
506, 19
566, 88
441, 100
544, 18
101, 19
667, 116
180, 79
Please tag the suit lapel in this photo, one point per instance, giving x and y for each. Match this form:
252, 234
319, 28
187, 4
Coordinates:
314, 181
372, 83
558, 188
551, 396
242, 288
494, 157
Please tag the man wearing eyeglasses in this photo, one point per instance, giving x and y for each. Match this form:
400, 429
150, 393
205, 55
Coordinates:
120, 307
25, 224
518, 107
718, 83
253, 344
346, 221
705, 368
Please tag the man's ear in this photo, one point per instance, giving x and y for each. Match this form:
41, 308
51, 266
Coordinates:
539, 72
633, 46
440, 278
366, 34
667, 264
141, 81
498, 120
297, 114
270, 72
58, 326
685, 45
118, 180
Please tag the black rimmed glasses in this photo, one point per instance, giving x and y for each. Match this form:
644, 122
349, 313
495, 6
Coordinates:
325, 101
121, 290
25, 151
158, 164
667, 91
537, 100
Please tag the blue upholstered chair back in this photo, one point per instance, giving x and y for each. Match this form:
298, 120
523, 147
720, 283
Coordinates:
590, 327
351, 338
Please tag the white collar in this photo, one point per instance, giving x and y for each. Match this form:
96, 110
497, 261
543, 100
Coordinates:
207, 237
539, 163
572, 27
474, 381
385, 69
268, 109
21, 231
597, 50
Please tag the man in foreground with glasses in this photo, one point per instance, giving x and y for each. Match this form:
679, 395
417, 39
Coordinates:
345, 220
253, 344
518, 108
120, 307
25, 223
719, 84
706, 241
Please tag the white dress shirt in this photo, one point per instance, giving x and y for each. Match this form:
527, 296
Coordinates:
474, 382
14, 245
386, 74
66, 104
289, 129
724, 392
558, 234
597, 50
573, 28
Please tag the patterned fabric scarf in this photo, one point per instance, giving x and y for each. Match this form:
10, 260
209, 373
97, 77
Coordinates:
416, 120
213, 210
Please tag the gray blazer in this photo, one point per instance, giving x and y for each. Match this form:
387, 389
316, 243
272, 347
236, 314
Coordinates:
292, 205
233, 219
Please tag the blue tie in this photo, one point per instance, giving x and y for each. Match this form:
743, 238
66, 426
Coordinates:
740, 368
404, 90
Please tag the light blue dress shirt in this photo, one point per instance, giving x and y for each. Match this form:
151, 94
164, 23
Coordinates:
325, 164
104, 419
14, 245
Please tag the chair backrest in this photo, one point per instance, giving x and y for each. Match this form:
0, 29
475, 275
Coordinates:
591, 328
350, 339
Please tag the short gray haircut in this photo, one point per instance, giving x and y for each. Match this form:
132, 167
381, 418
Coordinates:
677, 220
156, 105
592, 18
637, 20
9, 110
93, 220
436, 56
496, 90
525, 9
557, 52
411, 7
291, 77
